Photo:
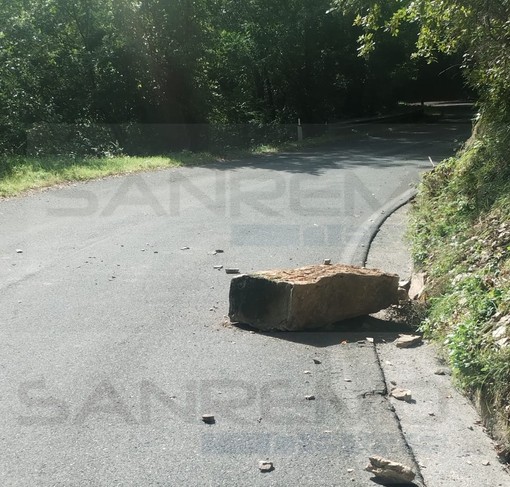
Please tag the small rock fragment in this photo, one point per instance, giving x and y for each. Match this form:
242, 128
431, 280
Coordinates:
405, 284
407, 341
327, 261
389, 472
500, 332
486, 463
310, 398
219, 251
370, 340
265, 466
208, 418
417, 287
347, 380
317, 361
232, 270
218, 267
401, 394
184, 248
307, 372
442, 371
402, 294
19, 251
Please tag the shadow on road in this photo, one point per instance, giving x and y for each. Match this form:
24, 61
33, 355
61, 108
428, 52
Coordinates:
395, 146
378, 482
347, 331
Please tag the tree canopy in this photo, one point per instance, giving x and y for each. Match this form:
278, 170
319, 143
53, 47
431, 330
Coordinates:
211, 61
478, 30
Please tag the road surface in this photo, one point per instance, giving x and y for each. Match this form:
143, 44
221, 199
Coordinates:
114, 340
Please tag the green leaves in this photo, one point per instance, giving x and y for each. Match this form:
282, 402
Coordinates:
187, 61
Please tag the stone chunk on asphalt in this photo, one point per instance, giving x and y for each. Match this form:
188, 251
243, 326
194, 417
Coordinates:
408, 341
401, 394
405, 284
232, 270
265, 466
388, 472
310, 297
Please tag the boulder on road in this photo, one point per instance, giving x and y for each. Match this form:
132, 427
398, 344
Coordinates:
310, 297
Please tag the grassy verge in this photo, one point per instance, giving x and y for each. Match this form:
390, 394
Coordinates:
460, 231
19, 174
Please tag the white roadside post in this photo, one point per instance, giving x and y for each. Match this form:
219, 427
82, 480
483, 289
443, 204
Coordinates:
299, 130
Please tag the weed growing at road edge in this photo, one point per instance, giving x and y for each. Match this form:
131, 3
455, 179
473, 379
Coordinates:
460, 233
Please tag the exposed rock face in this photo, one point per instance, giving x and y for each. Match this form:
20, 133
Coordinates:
390, 473
310, 297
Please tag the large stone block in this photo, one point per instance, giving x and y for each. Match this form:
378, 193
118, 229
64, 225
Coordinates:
310, 297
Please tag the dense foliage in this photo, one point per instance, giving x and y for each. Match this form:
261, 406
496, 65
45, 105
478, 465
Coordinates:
477, 30
191, 61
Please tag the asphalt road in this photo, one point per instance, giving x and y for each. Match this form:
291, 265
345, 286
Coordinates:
113, 342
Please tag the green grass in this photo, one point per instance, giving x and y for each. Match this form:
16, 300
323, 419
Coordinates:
19, 174
460, 233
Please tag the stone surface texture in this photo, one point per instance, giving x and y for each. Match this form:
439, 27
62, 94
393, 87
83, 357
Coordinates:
408, 341
310, 297
388, 472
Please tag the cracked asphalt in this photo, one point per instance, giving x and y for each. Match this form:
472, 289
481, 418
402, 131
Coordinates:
114, 341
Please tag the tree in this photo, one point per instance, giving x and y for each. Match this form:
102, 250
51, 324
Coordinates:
477, 29
186, 61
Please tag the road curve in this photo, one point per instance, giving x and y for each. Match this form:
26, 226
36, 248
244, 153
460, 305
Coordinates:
112, 322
